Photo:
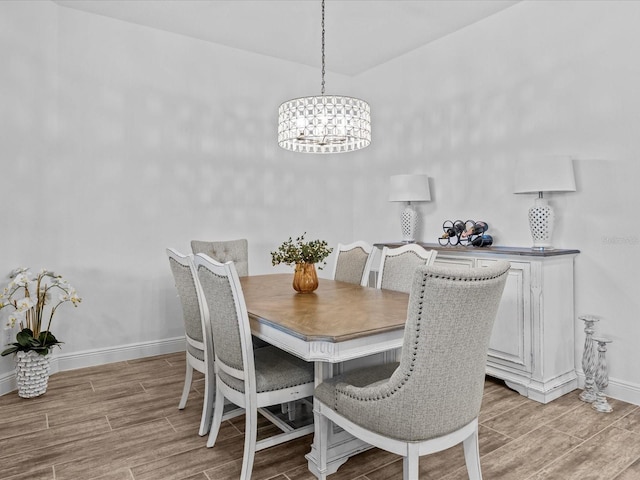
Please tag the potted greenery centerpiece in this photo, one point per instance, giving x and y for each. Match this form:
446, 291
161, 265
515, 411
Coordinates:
304, 255
28, 295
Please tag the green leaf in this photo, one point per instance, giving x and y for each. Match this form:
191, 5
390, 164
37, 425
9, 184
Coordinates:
47, 339
10, 350
47, 336
25, 337
289, 253
26, 342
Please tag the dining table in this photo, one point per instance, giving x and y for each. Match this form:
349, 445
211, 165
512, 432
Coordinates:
339, 326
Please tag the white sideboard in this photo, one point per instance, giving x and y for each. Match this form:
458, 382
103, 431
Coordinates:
532, 345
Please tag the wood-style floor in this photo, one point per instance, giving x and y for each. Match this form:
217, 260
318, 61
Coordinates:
121, 422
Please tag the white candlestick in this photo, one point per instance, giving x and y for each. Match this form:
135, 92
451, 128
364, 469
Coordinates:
600, 404
589, 359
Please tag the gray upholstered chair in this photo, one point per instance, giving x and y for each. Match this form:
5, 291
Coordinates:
236, 251
398, 264
250, 378
430, 400
353, 263
199, 348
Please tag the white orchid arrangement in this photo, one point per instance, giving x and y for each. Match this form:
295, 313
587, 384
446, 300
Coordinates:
28, 295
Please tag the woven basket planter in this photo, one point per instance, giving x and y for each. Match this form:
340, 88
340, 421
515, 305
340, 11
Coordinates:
32, 373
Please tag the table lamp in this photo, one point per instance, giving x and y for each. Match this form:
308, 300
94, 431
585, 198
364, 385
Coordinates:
409, 188
550, 174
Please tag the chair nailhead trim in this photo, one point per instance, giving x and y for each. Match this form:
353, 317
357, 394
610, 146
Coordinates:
408, 374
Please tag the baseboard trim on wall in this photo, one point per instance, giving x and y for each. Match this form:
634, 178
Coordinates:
618, 389
7, 383
90, 358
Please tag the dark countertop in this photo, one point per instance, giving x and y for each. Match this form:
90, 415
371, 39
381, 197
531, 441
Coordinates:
523, 251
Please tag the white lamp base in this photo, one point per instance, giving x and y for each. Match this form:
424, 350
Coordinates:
409, 221
541, 218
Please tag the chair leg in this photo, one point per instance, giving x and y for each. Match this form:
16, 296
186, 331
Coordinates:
472, 456
250, 437
218, 410
207, 404
188, 376
411, 463
291, 409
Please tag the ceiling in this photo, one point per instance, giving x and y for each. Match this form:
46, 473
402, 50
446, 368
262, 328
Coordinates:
360, 34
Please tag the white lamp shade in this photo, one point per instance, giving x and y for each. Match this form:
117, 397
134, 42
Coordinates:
409, 188
549, 174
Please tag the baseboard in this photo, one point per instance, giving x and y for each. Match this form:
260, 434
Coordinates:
90, 358
618, 389
7, 383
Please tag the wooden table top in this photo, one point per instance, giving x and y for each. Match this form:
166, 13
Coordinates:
335, 312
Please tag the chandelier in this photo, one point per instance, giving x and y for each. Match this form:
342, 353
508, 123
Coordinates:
324, 123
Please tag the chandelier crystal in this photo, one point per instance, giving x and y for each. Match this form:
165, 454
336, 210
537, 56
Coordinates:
324, 123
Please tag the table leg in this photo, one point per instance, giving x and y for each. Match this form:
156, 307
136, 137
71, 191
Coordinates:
324, 460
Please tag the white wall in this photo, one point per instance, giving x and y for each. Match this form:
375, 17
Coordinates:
540, 78
118, 141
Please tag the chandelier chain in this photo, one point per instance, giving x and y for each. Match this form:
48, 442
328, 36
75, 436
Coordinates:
322, 89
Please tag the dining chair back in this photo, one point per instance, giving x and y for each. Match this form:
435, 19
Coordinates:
236, 251
430, 400
397, 266
250, 378
199, 347
353, 263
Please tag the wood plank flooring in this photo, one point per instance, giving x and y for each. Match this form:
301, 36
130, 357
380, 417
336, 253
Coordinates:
121, 422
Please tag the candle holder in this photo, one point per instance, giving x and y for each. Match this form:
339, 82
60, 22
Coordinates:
589, 359
600, 404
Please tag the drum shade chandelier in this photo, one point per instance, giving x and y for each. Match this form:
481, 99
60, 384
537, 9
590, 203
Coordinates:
324, 123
